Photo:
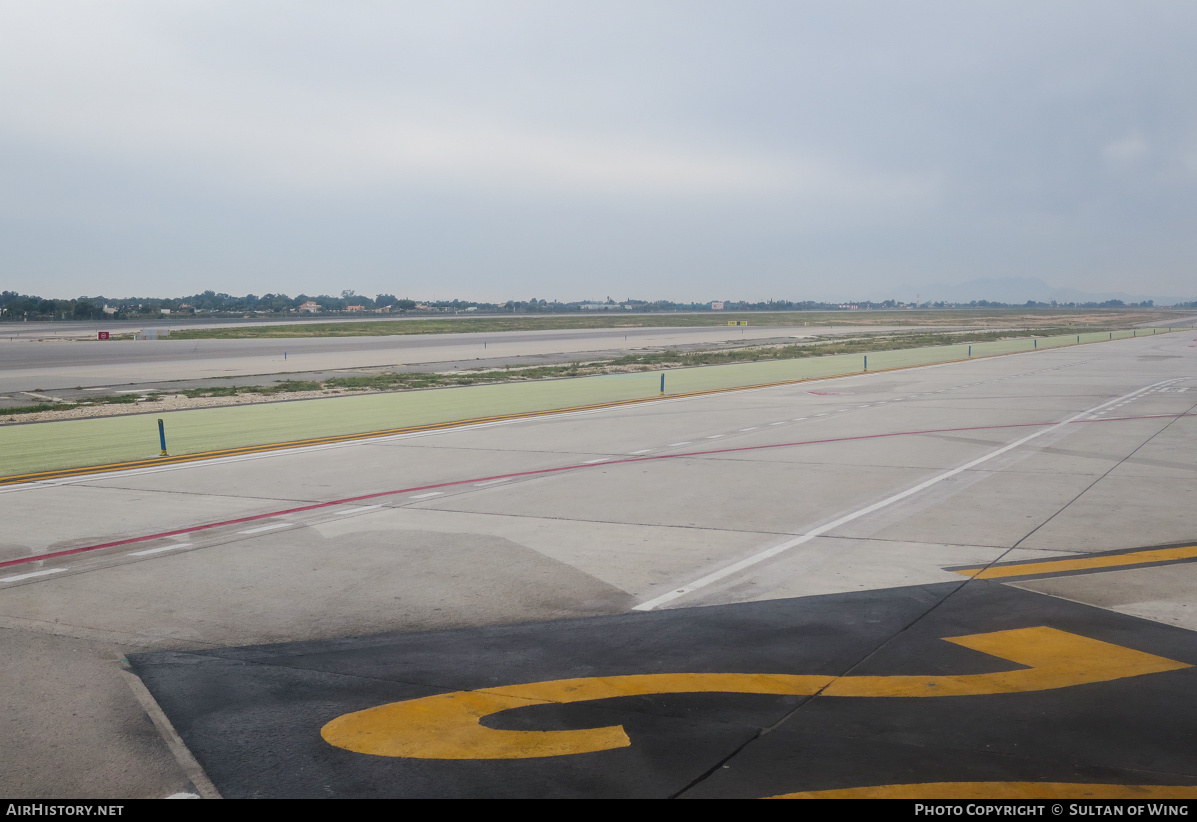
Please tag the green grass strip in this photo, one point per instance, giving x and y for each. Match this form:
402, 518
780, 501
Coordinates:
104, 440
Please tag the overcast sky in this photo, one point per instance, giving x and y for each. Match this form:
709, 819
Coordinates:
570, 150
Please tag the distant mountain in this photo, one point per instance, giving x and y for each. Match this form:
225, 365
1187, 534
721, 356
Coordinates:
1019, 290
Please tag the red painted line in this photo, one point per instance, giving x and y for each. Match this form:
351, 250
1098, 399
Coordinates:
541, 471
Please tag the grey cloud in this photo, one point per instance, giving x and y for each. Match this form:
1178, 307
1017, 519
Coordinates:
666, 149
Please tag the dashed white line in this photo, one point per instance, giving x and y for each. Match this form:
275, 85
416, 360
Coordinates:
160, 549
357, 510
715, 436
677, 444
484, 483
750, 428
262, 528
426, 496
20, 577
641, 451
783, 422
600, 459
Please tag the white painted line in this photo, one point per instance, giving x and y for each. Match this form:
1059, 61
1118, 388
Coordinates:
426, 496
159, 550
798, 419
678, 444
769, 553
824, 414
20, 577
715, 436
641, 451
262, 528
600, 459
783, 422
356, 510
485, 483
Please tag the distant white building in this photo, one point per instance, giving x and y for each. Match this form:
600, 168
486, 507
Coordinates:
717, 305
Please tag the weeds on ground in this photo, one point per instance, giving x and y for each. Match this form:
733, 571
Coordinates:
631, 363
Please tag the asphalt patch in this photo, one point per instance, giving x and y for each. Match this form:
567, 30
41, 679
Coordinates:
253, 716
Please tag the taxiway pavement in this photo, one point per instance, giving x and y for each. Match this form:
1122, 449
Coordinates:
831, 529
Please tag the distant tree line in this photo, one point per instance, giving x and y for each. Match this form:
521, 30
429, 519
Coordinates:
19, 306
14, 306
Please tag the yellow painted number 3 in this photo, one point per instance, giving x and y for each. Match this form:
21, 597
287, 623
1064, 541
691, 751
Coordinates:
447, 726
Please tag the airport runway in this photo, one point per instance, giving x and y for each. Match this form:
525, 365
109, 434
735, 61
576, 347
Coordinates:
52, 365
976, 575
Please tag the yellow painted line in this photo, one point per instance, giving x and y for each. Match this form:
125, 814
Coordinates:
1056, 566
448, 726
1002, 790
1054, 659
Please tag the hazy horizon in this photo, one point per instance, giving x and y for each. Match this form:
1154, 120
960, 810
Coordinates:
660, 150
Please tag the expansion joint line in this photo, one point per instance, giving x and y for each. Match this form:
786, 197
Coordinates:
769, 553
1091, 485
957, 588
541, 472
935, 606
